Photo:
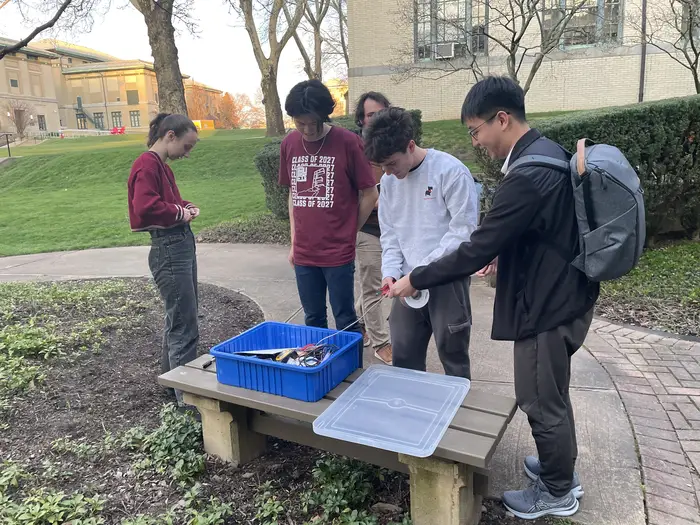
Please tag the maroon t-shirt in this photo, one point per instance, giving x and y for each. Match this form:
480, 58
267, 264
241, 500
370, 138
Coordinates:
324, 181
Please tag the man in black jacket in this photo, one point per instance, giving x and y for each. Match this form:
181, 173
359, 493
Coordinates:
543, 303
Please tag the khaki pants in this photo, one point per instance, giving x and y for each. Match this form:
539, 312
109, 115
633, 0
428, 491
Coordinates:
369, 271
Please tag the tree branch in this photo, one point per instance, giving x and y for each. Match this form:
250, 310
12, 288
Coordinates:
25, 42
300, 45
291, 29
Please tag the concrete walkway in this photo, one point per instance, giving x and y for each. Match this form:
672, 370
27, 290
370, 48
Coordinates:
661, 408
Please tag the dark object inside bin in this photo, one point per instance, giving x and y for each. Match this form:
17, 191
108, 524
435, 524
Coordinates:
307, 356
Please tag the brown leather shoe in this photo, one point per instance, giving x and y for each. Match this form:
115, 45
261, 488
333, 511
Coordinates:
384, 354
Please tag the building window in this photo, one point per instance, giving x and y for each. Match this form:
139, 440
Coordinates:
117, 119
132, 97
135, 119
14, 83
41, 120
99, 119
446, 29
32, 57
70, 60
82, 120
594, 22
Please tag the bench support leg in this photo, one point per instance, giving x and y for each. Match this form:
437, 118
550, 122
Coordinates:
225, 430
442, 492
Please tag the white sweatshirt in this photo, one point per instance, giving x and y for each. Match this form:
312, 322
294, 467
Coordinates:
427, 215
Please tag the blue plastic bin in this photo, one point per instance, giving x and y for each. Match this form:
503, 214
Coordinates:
296, 382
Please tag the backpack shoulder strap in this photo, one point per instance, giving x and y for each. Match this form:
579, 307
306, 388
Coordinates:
544, 162
541, 161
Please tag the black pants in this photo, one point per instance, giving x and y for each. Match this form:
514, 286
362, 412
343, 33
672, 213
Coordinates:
447, 316
173, 264
542, 376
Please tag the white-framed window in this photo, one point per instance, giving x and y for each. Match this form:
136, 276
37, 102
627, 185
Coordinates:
135, 119
446, 29
594, 22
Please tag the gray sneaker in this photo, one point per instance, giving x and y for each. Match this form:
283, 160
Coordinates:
536, 501
533, 469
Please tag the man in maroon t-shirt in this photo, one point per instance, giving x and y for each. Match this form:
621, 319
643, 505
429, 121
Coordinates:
332, 192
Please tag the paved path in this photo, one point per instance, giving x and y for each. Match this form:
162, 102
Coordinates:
656, 380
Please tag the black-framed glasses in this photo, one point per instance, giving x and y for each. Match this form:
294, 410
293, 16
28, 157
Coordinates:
475, 131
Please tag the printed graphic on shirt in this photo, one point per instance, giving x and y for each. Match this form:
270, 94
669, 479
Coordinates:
429, 193
312, 181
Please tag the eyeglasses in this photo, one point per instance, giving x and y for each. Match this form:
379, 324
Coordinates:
474, 132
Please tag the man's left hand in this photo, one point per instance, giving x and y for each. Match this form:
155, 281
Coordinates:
402, 288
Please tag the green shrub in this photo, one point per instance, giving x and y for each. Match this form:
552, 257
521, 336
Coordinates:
267, 162
659, 138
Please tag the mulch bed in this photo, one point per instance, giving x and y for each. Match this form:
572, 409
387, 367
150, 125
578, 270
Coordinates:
88, 396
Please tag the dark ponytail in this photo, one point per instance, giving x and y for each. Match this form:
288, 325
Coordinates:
164, 122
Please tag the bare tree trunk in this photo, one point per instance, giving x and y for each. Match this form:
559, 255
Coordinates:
268, 65
161, 36
318, 71
272, 103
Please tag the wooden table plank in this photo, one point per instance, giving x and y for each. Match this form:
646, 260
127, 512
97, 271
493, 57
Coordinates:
476, 400
463, 447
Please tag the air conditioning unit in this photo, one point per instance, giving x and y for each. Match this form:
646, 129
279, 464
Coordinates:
444, 51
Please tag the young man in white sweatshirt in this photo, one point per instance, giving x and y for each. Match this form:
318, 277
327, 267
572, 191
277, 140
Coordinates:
427, 208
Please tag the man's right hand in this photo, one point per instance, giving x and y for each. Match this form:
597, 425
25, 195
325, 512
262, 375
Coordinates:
187, 215
290, 257
490, 269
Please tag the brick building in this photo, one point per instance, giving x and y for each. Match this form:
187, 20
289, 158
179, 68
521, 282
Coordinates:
72, 87
416, 52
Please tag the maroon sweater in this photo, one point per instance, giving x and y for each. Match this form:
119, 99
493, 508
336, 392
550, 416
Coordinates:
154, 200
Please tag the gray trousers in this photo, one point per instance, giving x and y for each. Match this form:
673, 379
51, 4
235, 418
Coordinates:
542, 376
173, 264
447, 316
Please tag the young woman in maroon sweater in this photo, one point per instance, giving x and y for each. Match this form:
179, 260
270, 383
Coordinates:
155, 206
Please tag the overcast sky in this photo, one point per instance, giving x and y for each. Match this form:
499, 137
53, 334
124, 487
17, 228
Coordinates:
221, 56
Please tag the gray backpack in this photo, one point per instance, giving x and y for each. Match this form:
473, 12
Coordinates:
609, 206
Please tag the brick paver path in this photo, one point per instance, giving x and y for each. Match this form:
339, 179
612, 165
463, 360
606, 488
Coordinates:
658, 379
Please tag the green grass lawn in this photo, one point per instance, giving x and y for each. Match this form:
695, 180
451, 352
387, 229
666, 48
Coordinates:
71, 193
663, 292
68, 194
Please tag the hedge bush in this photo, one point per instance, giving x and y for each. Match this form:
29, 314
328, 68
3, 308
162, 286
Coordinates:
267, 162
659, 138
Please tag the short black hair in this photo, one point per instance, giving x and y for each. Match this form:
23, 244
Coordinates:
390, 131
310, 97
165, 122
360, 109
493, 94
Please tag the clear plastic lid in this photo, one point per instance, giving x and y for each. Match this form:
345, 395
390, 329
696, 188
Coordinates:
395, 409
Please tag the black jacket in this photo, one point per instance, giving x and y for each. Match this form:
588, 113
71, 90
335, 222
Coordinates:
530, 227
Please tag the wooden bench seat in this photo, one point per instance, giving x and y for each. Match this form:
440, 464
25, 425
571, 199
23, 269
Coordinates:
446, 488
